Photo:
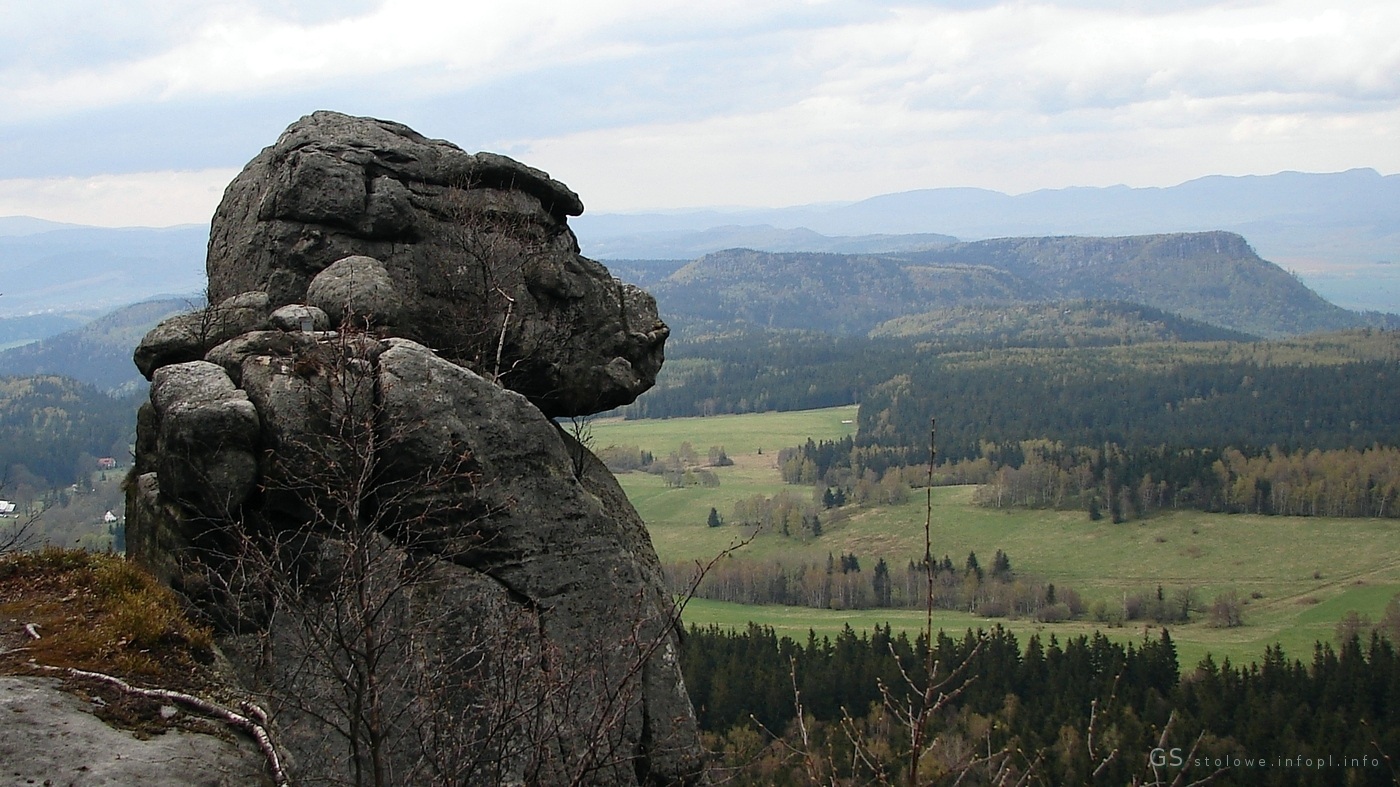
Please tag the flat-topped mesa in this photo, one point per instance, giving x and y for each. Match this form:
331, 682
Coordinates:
477, 248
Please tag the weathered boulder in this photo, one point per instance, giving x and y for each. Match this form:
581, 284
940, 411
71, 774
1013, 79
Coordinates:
187, 337
299, 317
359, 481
208, 438
476, 246
356, 289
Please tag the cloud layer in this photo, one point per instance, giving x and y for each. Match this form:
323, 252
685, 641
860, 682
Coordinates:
666, 104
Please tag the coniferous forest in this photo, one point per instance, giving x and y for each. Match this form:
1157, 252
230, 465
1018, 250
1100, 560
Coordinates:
1085, 710
1301, 427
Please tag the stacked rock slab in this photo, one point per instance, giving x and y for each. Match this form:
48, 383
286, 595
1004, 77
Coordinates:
368, 402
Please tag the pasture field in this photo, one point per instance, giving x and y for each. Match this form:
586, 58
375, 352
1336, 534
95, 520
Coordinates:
742, 434
1298, 575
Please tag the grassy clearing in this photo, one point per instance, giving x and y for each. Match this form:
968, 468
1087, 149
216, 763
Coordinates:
1299, 575
677, 517
739, 434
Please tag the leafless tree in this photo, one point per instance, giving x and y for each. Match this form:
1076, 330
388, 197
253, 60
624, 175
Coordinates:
19, 532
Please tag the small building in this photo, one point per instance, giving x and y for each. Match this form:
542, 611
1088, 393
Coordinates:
109, 518
106, 463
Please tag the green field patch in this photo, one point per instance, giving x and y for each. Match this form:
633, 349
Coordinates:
1297, 575
1367, 600
739, 434
1192, 641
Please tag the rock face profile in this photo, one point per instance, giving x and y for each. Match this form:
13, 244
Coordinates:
476, 248
349, 465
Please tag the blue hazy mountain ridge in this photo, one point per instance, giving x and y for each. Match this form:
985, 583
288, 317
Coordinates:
93, 269
27, 225
1212, 277
1359, 197
687, 245
1339, 231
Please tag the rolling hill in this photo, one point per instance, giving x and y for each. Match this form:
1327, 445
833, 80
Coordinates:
98, 353
1339, 231
94, 269
1212, 277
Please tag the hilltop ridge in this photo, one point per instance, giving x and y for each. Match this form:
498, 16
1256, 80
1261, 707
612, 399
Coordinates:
1212, 277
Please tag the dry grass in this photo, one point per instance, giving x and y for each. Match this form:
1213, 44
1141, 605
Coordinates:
97, 612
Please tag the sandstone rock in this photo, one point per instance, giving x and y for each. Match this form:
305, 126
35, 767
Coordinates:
296, 316
187, 337
52, 737
231, 355
356, 289
476, 246
389, 488
208, 438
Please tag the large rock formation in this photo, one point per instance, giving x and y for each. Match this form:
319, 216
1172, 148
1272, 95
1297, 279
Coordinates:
477, 248
349, 464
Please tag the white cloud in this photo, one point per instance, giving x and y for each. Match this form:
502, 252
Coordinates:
791, 101
237, 48
143, 199
1021, 96
806, 152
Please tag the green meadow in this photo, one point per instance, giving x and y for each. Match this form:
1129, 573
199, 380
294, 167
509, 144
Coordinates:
1298, 575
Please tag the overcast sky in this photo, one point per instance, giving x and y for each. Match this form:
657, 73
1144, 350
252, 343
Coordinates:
139, 112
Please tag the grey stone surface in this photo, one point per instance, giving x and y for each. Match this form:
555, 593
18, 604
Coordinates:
293, 316
48, 736
356, 289
231, 355
551, 525
207, 439
477, 247
187, 337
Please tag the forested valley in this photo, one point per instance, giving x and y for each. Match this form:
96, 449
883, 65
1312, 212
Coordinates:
1303, 426
53, 429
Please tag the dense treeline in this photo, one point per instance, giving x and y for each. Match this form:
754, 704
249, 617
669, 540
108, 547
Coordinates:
1325, 392
52, 429
993, 591
1241, 404
1085, 711
1339, 483
1077, 323
752, 372
1112, 481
